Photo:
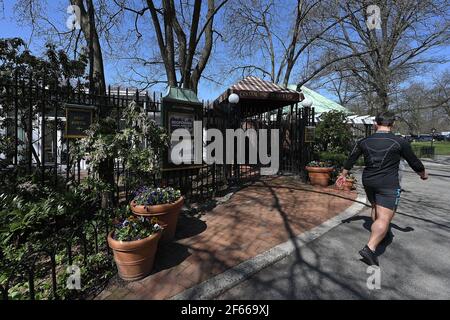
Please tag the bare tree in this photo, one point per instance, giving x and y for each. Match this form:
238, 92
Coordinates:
259, 29
183, 32
33, 12
408, 30
423, 105
88, 26
440, 94
170, 32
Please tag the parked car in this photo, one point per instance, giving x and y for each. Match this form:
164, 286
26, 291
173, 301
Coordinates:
424, 138
408, 138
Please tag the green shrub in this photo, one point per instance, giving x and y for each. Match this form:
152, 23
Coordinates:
336, 159
333, 134
38, 219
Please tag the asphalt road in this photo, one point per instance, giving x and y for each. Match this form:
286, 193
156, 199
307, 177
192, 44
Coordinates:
414, 264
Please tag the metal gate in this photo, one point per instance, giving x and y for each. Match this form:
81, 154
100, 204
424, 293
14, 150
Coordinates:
294, 153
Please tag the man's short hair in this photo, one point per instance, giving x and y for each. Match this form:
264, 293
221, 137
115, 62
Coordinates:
386, 118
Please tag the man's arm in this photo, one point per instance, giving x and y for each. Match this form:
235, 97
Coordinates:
354, 155
413, 161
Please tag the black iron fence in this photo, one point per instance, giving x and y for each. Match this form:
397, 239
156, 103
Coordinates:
34, 120
424, 151
41, 272
32, 126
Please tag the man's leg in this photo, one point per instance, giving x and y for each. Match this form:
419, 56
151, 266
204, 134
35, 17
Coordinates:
370, 193
380, 227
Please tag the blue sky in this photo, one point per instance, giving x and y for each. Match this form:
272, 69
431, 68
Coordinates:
56, 10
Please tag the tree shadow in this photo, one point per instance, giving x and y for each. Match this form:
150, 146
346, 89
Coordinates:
367, 224
297, 253
170, 255
189, 226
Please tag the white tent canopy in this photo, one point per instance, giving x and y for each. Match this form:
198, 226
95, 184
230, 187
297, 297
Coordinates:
353, 119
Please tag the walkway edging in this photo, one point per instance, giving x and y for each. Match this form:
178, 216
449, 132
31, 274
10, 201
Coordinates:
211, 288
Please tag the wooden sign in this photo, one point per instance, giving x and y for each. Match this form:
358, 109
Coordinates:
269, 95
78, 120
310, 133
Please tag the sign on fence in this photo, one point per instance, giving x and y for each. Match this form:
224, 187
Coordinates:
310, 133
180, 108
78, 120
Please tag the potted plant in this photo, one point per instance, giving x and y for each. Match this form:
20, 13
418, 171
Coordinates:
319, 173
163, 203
134, 241
349, 183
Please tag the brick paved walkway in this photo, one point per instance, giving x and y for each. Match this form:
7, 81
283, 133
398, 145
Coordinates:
254, 220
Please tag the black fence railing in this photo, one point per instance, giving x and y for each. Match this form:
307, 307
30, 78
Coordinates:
33, 120
424, 151
42, 270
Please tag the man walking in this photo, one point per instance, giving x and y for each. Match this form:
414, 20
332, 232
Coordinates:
382, 154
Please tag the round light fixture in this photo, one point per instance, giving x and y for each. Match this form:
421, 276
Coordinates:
233, 98
307, 103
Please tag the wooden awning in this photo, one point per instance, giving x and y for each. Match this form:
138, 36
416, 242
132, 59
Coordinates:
258, 96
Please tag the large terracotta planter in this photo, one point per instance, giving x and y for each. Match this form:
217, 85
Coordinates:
134, 259
167, 214
319, 176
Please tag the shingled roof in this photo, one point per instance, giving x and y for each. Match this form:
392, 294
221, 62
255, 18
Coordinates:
256, 93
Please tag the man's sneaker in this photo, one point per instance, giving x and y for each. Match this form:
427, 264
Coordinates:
369, 256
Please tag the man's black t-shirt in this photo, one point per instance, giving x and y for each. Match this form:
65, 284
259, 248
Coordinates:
382, 154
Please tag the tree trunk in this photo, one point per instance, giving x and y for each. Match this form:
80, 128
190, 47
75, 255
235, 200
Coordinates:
166, 40
96, 69
206, 52
97, 84
383, 100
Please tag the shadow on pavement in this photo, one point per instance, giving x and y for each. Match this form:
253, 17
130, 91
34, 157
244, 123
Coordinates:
189, 226
170, 255
367, 224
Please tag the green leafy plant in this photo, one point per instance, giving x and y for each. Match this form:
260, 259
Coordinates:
333, 133
36, 219
148, 196
138, 146
336, 159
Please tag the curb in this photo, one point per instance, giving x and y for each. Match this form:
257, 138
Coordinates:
433, 163
211, 288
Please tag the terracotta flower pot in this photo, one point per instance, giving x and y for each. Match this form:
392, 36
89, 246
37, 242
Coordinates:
348, 185
167, 214
319, 176
134, 259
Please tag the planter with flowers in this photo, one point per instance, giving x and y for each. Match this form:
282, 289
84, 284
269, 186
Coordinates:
319, 173
163, 203
134, 241
349, 183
